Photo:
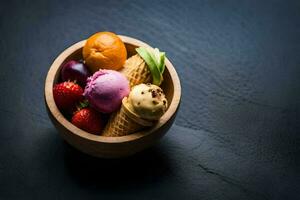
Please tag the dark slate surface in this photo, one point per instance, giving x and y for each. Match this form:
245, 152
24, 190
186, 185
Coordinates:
237, 132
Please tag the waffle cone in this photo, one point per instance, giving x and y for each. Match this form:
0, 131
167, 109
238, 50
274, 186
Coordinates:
136, 71
124, 122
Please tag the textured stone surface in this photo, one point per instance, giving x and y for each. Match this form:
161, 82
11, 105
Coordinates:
237, 133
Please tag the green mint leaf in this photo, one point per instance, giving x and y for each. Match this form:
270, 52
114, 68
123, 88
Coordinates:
162, 65
149, 58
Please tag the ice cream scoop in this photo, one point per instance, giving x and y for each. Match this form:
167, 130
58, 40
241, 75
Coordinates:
106, 89
145, 104
148, 101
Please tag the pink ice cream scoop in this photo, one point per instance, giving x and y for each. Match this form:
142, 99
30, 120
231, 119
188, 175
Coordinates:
106, 89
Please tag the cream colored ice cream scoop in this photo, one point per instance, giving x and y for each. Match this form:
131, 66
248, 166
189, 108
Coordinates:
148, 101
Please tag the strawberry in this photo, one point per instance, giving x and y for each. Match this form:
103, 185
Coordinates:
89, 120
67, 95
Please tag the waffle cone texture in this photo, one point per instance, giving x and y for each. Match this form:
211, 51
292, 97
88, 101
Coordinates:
120, 124
136, 71
123, 122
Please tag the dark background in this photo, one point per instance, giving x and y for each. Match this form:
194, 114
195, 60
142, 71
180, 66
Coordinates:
238, 128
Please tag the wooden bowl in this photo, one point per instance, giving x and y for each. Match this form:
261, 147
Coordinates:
111, 147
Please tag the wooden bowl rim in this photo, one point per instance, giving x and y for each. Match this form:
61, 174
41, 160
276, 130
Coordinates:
103, 139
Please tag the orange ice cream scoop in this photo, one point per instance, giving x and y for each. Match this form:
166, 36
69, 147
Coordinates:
104, 50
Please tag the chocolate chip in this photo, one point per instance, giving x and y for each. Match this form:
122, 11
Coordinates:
142, 93
154, 94
139, 103
164, 101
154, 102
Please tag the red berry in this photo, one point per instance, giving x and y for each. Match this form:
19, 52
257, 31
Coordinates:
89, 120
67, 95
